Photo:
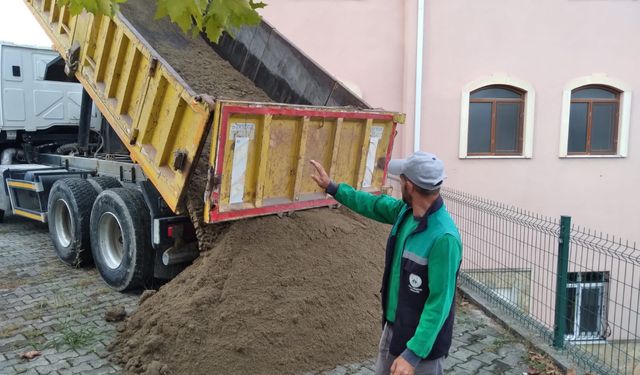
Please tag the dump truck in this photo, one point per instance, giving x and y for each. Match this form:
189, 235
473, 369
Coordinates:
185, 117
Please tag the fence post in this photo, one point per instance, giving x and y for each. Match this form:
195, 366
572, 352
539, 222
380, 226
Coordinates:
560, 321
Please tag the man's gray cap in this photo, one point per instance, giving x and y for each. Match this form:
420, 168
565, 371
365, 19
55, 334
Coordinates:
422, 168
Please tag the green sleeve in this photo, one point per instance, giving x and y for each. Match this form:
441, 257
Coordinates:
382, 208
443, 262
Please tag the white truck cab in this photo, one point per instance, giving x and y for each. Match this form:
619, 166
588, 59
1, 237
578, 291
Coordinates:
30, 102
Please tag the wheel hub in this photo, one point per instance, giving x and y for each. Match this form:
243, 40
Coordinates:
63, 222
111, 240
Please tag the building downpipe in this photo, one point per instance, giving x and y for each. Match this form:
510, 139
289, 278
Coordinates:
417, 118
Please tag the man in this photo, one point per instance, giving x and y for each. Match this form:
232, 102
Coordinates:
422, 259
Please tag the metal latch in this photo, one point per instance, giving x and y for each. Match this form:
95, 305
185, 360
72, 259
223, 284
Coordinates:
179, 160
213, 183
73, 60
133, 136
153, 64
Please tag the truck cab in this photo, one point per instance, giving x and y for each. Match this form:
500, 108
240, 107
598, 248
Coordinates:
38, 103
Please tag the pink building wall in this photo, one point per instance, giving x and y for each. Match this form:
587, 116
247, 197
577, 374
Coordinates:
545, 43
369, 44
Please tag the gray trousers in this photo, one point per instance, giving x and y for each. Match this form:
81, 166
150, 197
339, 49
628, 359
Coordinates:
385, 359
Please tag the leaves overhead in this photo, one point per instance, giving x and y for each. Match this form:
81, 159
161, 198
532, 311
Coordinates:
108, 7
192, 16
229, 15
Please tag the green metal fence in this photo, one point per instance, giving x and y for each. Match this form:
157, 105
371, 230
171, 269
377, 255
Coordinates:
579, 289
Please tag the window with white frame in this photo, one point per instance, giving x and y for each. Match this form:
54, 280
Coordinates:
496, 118
586, 305
495, 121
593, 121
596, 112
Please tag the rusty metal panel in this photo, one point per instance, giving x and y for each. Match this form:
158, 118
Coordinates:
260, 156
154, 112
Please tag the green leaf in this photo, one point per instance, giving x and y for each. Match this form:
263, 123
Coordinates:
183, 13
161, 10
75, 7
104, 6
192, 16
228, 15
258, 5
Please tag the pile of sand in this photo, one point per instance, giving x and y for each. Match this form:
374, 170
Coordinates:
272, 296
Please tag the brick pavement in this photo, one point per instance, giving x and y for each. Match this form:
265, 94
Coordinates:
480, 346
59, 310
49, 306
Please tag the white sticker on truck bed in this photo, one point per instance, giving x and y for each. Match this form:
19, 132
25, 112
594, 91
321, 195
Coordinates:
238, 173
376, 134
242, 129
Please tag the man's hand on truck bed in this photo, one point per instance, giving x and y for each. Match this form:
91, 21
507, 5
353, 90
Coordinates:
320, 177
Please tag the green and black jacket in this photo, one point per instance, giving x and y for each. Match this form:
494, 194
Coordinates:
422, 260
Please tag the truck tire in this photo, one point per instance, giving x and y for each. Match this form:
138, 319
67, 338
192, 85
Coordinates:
70, 202
102, 183
120, 242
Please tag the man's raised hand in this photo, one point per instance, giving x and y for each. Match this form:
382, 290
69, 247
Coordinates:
320, 177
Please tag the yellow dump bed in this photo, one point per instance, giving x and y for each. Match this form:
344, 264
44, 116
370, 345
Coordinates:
259, 151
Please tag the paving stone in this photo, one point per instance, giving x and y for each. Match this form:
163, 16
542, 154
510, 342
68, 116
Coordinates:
472, 365
451, 362
11, 340
365, 371
41, 294
457, 370
499, 367
101, 351
514, 358
81, 369
476, 347
5, 365
53, 358
337, 371
102, 371
83, 359
98, 363
484, 371
34, 363
463, 354
355, 366
486, 357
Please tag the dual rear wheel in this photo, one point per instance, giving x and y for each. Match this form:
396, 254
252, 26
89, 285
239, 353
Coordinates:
99, 221
120, 241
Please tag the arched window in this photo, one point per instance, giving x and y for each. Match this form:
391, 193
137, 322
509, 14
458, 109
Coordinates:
495, 121
593, 121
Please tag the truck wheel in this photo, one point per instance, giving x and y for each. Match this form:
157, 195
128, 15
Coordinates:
120, 242
101, 183
70, 202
